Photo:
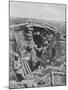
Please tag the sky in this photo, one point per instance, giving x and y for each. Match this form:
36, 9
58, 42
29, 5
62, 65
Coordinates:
38, 10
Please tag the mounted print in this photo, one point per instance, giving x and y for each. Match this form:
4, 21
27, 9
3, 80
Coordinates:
37, 44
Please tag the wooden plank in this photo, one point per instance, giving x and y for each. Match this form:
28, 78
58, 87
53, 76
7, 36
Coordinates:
58, 78
24, 61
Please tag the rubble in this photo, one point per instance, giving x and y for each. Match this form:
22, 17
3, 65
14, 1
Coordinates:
36, 56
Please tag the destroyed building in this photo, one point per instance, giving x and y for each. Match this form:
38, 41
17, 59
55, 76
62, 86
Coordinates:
36, 57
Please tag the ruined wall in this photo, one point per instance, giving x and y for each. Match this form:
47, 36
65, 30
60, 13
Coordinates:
36, 52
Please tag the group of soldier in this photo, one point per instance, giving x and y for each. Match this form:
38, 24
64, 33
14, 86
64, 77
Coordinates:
36, 55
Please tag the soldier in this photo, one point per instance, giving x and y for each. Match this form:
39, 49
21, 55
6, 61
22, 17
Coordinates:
19, 68
33, 55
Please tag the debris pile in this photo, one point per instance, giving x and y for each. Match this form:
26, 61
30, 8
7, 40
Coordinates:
37, 56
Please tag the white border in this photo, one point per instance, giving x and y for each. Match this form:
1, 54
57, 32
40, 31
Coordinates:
4, 43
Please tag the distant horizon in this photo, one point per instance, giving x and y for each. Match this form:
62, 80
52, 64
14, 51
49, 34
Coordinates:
38, 19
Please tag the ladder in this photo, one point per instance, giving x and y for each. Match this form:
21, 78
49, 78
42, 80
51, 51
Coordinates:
25, 67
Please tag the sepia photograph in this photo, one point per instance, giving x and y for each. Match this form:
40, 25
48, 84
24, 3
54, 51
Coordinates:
37, 44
